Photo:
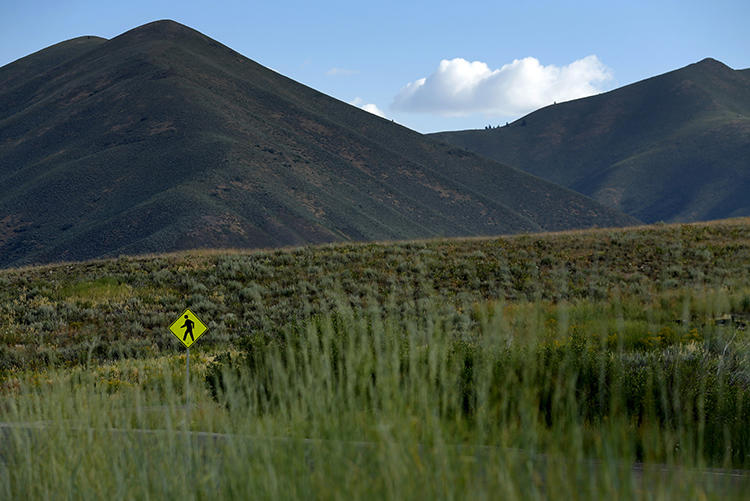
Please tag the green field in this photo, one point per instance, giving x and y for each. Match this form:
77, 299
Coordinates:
568, 366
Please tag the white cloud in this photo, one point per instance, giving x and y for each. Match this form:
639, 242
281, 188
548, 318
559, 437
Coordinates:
372, 108
341, 72
459, 87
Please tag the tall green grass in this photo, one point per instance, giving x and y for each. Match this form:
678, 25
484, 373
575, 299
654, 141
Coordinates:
416, 398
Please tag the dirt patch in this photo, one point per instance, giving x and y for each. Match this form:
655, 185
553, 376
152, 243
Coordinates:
314, 127
161, 127
310, 204
125, 125
447, 192
218, 225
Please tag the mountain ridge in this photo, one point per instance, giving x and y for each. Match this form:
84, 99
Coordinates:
671, 147
163, 139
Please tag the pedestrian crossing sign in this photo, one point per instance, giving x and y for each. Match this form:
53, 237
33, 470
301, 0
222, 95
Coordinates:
188, 328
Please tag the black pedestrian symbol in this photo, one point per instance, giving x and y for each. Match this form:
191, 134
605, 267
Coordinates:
188, 326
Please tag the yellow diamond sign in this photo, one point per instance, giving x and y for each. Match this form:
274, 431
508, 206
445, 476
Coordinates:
188, 328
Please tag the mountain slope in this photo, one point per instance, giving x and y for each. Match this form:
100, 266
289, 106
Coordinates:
163, 139
42, 61
675, 147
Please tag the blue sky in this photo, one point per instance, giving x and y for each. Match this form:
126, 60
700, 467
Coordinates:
430, 65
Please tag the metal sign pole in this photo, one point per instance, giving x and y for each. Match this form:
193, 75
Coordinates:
193, 327
188, 457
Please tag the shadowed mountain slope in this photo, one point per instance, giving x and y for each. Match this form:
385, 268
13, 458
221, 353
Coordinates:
675, 147
40, 63
164, 139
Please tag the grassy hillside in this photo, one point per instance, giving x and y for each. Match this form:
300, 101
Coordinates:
670, 148
163, 139
555, 366
70, 313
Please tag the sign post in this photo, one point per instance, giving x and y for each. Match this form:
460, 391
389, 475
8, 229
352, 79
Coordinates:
188, 328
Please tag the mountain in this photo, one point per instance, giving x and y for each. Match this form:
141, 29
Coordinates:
675, 147
163, 139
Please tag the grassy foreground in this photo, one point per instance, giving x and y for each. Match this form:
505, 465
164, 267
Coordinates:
520, 368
